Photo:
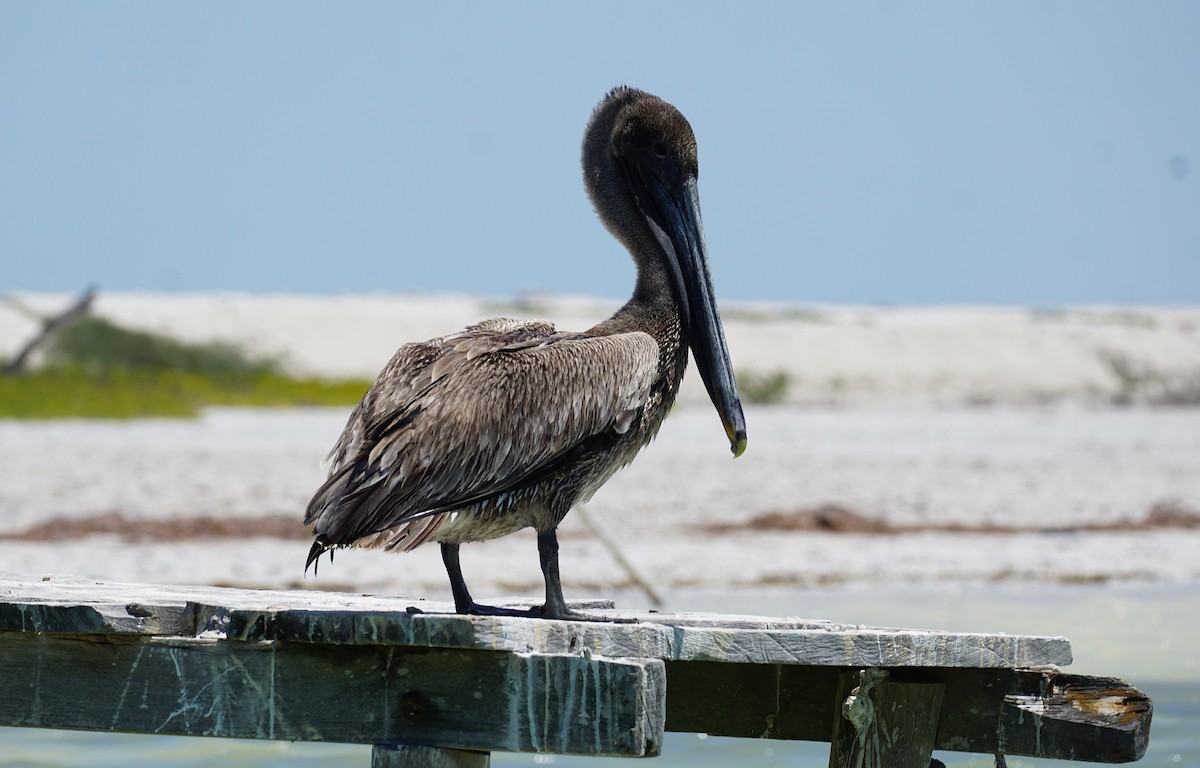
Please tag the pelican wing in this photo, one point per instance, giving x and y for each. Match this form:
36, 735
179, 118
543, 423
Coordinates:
455, 420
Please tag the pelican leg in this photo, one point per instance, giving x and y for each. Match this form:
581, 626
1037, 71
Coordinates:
458, 586
556, 605
462, 598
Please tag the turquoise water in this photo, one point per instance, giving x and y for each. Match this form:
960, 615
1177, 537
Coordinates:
1146, 634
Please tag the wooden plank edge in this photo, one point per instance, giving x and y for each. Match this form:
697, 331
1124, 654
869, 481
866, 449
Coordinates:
1031, 712
470, 700
251, 615
836, 647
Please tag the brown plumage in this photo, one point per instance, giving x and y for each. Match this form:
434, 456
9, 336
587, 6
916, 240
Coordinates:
508, 424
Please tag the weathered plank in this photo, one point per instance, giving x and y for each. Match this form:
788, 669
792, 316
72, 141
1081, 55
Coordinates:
1038, 713
1043, 713
751, 701
884, 724
656, 636
334, 661
167, 617
322, 617
473, 700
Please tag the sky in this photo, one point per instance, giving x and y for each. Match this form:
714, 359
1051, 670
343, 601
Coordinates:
1024, 153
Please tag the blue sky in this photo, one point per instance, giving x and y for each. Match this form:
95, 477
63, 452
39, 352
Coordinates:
1021, 152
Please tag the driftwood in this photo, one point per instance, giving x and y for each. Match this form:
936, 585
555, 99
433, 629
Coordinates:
610, 543
50, 324
429, 687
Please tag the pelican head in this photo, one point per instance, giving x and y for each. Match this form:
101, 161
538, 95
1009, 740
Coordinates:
640, 170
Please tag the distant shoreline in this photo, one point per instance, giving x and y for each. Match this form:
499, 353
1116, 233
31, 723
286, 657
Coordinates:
803, 354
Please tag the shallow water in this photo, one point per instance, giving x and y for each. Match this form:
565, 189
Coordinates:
1024, 468
1146, 634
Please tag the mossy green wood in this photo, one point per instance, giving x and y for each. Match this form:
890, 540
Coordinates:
474, 700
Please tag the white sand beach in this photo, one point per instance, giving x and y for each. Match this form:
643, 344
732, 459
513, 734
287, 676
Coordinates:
831, 354
924, 418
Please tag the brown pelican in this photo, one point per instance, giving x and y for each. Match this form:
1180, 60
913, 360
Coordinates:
508, 424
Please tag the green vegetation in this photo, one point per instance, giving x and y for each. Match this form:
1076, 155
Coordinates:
751, 314
522, 306
95, 346
67, 393
1138, 383
95, 369
763, 388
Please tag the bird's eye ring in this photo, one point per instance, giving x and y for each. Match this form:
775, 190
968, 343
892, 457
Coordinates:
660, 148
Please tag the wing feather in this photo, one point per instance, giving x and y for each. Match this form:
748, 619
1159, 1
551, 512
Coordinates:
456, 419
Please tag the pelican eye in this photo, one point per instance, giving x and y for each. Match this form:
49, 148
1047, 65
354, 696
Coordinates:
660, 148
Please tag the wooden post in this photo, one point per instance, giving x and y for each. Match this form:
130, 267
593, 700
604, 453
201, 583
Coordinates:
406, 756
883, 724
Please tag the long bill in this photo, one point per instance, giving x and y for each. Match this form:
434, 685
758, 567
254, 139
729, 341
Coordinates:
676, 223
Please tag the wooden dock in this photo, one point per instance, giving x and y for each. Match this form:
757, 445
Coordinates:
428, 687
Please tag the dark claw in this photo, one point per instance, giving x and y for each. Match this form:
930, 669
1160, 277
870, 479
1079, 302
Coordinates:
540, 612
568, 615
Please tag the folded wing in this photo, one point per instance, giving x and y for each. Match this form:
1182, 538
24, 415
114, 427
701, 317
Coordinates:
457, 419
